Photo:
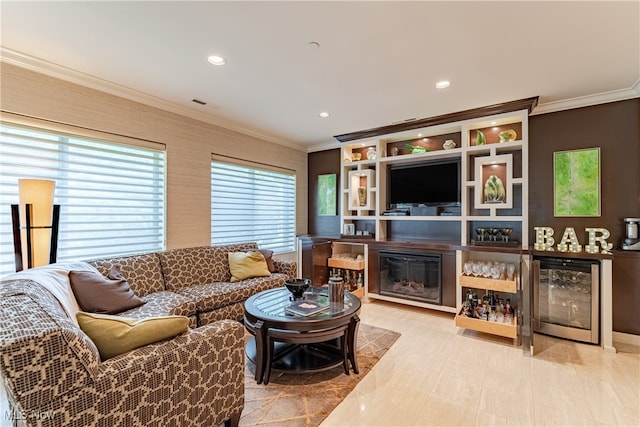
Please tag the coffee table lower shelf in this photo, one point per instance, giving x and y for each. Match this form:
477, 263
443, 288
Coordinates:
301, 358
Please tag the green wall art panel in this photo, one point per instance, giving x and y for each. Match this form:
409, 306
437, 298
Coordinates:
576, 186
327, 196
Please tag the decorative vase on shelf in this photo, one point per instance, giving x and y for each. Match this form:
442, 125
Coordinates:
480, 139
362, 196
508, 135
371, 153
494, 191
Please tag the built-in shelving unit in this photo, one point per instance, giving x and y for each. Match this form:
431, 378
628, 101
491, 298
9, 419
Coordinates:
364, 181
506, 287
349, 260
492, 151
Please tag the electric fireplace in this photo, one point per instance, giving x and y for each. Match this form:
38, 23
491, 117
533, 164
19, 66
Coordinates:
411, 276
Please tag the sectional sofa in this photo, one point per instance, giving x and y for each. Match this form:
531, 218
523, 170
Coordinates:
192, 282
54, 375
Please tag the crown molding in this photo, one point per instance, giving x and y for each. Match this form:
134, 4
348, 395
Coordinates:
323, 146
589, 100
489, 110
63, 73
549, 107
69, 75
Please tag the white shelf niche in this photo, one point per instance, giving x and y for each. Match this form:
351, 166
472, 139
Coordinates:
361, 190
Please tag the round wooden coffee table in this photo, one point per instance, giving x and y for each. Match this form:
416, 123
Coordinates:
299, 344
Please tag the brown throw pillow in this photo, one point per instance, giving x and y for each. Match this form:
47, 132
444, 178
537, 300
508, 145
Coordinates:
268, 254
98, 294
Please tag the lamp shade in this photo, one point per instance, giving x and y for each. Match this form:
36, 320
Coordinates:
39, 194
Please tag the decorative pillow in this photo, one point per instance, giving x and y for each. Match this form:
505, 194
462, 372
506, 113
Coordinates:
268, 256
115, 273
245, 265
114, 335
98, 294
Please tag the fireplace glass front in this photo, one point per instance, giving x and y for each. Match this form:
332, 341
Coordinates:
411, 276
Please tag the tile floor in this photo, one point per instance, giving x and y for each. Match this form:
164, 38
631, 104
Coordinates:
437, 374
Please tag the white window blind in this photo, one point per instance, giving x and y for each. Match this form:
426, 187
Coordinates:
253, 204
111, 195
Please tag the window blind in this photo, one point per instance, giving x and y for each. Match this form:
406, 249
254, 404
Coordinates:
253, 204
111, 195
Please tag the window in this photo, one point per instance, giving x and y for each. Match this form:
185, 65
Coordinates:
253, 203
111, 195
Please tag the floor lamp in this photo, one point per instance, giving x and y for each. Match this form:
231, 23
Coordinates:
41, 219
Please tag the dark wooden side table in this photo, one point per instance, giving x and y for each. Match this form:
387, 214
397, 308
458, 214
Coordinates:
298, 344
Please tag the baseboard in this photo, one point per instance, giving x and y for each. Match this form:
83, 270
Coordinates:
624, 338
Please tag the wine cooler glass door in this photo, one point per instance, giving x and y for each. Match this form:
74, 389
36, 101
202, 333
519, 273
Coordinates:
566, 299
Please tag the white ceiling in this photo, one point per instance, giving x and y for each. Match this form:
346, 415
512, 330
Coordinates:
377, 62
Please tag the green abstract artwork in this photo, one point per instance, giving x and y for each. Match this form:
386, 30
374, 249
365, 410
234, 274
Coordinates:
577, 182
327, 194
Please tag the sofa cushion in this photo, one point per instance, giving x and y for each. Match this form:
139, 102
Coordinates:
246, 265
115, 335
98, 294
234, 311
143, 272
197, 266
212, 296
163, 303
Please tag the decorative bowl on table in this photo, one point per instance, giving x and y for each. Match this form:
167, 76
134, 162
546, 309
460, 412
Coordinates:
297, 286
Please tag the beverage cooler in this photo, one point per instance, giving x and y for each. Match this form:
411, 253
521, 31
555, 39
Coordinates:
566, 298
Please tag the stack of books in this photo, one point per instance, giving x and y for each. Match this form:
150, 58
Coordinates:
307, 307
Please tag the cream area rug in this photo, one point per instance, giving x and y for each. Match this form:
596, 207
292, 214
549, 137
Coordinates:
297, 400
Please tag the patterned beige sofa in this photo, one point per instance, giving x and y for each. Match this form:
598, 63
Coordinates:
53, 374
193, 282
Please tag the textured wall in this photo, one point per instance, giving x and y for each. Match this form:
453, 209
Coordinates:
612, 127
189, 144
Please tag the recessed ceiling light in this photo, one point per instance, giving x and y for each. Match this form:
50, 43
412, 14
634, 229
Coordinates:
419, 135
313, 45
442, 84
216, 60
324, 114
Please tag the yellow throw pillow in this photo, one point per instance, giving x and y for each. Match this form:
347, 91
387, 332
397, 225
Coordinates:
114, 335
245, 265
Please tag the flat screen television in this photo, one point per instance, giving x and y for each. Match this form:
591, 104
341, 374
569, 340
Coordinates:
429, 183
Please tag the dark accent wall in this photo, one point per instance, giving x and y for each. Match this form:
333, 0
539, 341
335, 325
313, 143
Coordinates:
322, 163
615, 128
